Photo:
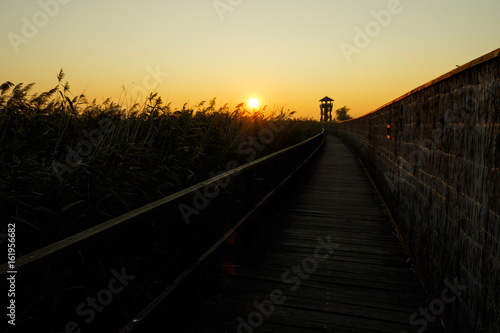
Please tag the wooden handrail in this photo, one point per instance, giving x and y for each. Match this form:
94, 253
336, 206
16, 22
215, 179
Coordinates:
128, 219
181, 280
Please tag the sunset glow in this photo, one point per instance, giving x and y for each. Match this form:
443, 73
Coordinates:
253, 103
361, 53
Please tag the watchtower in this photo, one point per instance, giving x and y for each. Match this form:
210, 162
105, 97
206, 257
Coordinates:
326, 108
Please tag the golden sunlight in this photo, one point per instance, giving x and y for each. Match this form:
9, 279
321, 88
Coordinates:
254, 102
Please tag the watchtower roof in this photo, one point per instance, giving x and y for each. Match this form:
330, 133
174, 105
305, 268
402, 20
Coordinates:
326, 99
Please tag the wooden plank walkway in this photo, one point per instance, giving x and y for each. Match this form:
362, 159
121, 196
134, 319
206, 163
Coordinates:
327, 260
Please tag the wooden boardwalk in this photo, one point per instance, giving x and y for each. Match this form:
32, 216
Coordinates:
326, 260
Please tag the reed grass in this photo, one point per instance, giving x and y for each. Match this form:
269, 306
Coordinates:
146, 152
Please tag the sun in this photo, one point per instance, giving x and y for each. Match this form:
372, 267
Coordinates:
254, 102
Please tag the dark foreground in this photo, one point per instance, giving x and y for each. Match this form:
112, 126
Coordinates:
326, 260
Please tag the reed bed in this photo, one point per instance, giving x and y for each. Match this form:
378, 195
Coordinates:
67, 164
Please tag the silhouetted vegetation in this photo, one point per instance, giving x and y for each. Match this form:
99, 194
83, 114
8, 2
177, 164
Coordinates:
341, 114
67, 164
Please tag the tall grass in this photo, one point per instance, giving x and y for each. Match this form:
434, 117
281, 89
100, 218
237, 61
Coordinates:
67, 164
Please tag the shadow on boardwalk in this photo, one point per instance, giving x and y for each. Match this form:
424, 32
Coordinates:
326, 260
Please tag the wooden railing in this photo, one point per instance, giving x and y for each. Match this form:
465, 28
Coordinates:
143, 256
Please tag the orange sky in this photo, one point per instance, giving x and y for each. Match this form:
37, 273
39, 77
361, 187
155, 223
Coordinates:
285, 53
